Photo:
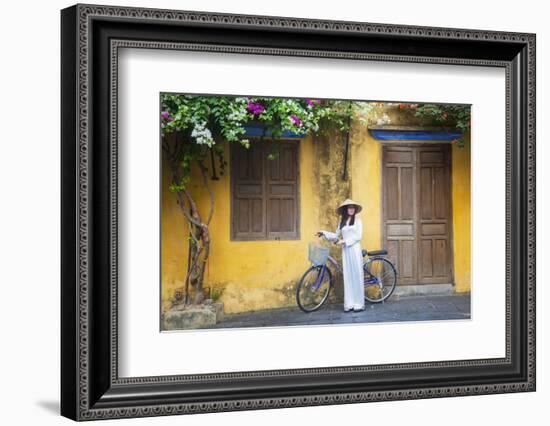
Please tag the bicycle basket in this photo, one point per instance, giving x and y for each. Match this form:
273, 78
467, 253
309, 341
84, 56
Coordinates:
318, 254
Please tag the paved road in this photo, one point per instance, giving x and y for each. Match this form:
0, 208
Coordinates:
396, 309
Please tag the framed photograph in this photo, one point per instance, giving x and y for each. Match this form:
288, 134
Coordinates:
266, 212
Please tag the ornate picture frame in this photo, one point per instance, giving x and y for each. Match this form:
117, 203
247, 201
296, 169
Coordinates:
91, 36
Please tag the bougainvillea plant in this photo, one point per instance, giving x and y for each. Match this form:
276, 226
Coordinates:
193, 128
458, 116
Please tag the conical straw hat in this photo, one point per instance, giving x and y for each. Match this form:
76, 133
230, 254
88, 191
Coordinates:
347, 202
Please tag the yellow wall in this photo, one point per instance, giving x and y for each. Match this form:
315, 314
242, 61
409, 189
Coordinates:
253, 273
461, 216
367, 184
262, 274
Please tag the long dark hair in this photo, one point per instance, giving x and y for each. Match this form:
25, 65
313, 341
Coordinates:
345, 216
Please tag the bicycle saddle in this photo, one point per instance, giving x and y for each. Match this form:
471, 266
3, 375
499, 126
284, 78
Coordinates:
374, 252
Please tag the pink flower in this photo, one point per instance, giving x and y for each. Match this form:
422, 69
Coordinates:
296, 119
166, 116
312, 102
255, 108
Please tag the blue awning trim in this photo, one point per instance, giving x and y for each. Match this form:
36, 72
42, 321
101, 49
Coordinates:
414, 135
258, 131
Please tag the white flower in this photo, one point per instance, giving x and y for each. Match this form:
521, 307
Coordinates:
202, 135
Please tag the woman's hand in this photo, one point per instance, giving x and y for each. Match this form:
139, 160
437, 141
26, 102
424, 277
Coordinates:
340, 242
318, 234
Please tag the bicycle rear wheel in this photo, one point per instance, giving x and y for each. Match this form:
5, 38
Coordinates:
314, 287
380, 279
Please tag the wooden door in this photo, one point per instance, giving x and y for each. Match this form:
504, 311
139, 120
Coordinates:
416, 212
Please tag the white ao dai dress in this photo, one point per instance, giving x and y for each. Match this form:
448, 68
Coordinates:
352, 262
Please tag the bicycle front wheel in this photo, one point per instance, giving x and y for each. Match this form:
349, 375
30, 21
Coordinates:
314, 288
380, 279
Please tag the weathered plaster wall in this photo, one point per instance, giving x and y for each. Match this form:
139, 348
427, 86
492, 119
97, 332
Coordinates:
255, 274
461, 185
263, 274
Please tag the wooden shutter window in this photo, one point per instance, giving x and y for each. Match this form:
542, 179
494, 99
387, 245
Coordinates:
264, 192
282, 193
248, 192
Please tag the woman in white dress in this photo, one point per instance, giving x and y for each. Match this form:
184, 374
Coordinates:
348, 234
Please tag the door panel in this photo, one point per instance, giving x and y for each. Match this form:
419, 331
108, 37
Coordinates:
407, 193
434, 223
392, 203
417, 212
399, 200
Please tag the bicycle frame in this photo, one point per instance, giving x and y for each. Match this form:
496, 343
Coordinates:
332, 268
371, 281
334, 262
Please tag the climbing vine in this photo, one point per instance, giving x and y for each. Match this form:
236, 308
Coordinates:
457, 116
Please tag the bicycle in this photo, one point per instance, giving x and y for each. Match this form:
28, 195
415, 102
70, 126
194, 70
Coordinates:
380, 278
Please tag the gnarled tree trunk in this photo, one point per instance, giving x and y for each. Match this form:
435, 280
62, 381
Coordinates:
199, 233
